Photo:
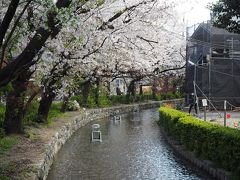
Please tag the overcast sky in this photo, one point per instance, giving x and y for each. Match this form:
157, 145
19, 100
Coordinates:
195, 11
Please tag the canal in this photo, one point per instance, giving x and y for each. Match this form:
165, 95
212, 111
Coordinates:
133, 149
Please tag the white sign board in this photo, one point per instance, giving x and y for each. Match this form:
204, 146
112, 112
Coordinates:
225, 105
204, 102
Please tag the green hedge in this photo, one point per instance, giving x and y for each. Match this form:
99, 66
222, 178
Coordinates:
171, 95
124, 99
208, 141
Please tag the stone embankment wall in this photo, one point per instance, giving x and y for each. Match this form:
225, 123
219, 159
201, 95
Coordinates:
74, 123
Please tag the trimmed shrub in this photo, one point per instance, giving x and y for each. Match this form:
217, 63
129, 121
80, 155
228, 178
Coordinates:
119, 99
124, 99
169, 118
171, 95
208, 141
91, 102
104, 102
157, 97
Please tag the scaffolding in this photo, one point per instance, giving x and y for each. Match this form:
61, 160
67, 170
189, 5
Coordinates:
213, 62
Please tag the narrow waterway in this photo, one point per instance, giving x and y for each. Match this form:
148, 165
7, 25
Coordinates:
133, 149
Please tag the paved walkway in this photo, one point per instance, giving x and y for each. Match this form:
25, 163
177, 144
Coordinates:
214, 117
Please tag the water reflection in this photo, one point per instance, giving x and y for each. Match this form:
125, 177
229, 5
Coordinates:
132, 149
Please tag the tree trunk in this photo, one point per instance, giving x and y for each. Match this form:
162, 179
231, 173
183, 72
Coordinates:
154, 91
45, 105
154, 96
13, 114
85, 92
141, 90
15, 105
7, 19
65, 102
109, 87
131, 90
29, 101
96, 97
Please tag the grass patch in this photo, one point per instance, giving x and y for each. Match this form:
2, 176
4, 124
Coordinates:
7, 143
2, 115
31, 114
55, 112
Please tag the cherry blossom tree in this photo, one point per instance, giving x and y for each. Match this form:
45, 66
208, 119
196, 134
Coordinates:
92, 39
24, 30
98, 36
151, 46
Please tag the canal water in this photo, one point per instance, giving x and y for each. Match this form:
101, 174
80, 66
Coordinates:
133, 149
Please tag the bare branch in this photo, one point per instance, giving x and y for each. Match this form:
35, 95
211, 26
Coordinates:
12, 31
147, 40
26, 58
157, 70
106, 25
95, 50
7, 19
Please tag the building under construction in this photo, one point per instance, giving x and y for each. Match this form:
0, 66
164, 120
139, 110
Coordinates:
213, 63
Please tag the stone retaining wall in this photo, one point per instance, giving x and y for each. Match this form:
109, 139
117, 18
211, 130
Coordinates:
74, 124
